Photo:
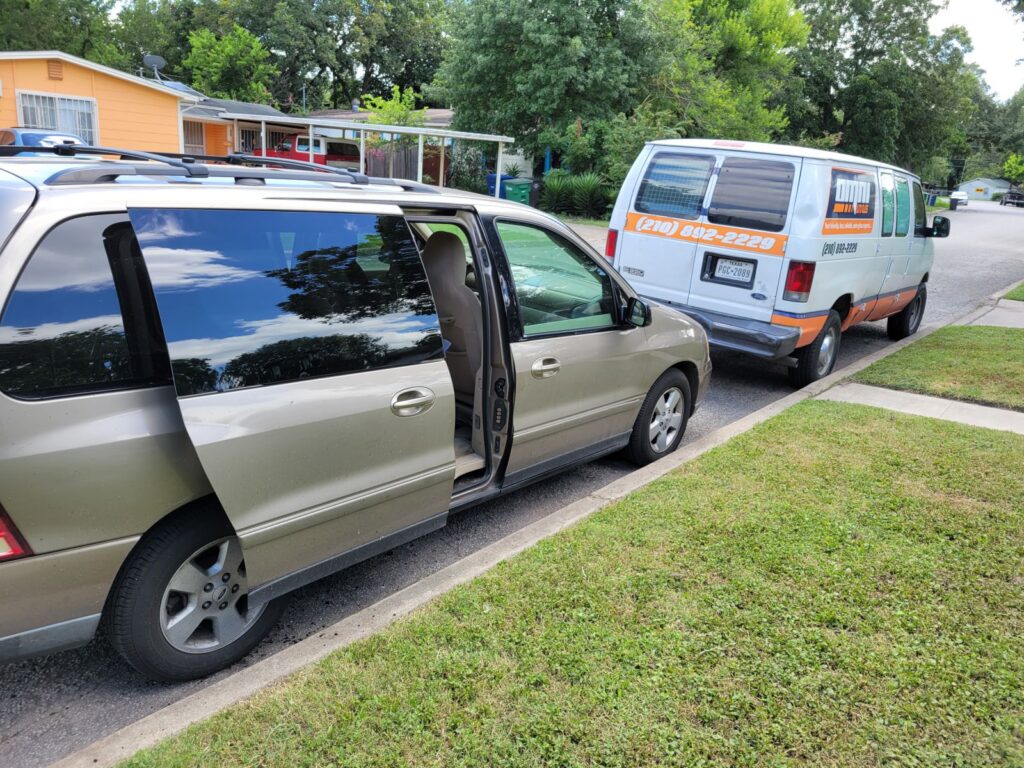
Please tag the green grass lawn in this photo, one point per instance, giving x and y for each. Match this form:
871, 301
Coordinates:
941, 204
1017, 294
980, 364
841, 586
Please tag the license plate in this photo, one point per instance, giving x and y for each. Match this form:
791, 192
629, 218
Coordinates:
733, 269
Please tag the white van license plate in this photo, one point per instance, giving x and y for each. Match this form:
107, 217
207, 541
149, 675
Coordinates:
733, 269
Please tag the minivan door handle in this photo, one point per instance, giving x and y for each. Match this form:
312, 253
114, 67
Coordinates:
410, 402
545, 367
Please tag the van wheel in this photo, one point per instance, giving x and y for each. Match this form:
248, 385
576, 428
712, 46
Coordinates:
660, 425
817, 359
180, 608
908, 320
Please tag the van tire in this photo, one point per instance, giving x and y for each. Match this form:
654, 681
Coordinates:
137, 603
906, 322
669, 399
818, 359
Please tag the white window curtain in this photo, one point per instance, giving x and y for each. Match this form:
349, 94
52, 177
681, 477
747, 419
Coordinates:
59, 113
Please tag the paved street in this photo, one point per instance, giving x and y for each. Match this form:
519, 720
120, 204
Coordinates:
53, 705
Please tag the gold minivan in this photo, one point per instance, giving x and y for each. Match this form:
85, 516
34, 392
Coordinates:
220, 382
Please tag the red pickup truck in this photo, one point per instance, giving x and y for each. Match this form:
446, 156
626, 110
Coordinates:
326, 151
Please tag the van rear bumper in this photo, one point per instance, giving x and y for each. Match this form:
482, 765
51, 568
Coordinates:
739, 334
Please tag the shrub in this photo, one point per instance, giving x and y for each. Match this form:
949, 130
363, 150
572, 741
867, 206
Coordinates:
512, 169
467, 168
589, 195
557, 195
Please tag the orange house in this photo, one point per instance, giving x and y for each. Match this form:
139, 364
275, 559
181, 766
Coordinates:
110, 108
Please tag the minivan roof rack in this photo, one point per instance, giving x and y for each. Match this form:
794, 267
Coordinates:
195, 166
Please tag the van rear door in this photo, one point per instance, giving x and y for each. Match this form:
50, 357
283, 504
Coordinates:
659, 237
742, 238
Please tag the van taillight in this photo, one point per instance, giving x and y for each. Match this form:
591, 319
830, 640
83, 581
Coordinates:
798, 281
609, 244
12, 545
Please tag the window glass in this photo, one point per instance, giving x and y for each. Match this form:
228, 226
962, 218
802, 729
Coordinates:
752, 193
888, 204
674, 185
59, 113
251, 298
62, 331
902, 207
559, 288
919, 211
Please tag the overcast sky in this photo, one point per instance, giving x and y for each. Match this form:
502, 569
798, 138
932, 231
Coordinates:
998, 38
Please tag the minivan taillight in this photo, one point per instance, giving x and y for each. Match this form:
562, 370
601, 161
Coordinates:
798, 281
12, 545
610, 243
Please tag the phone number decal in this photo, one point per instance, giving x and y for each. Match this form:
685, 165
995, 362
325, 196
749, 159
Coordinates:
728, 237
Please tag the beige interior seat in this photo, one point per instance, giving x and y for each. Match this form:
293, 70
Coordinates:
444, 258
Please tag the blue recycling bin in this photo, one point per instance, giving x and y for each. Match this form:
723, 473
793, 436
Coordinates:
492, 179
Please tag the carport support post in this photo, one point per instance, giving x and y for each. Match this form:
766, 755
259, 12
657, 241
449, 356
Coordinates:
440, 180
236, 140
263, 138
497, 170
362, 151
311, 143
419, 160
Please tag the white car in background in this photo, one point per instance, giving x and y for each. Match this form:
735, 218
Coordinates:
960, 197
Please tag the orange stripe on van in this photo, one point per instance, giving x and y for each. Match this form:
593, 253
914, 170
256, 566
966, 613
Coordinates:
732, 238
809, 327
890, 305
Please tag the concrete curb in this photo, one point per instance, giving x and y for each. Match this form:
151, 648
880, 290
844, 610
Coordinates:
247, 682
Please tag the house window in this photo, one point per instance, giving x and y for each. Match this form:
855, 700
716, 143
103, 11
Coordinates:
195, 138
59, 113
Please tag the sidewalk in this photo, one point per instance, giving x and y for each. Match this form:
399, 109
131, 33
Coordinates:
925, 405
1005, 314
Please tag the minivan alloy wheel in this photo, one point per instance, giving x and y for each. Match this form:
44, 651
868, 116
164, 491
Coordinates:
206, 602
666, 419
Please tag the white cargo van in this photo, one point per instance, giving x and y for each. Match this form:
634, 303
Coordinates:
775, 250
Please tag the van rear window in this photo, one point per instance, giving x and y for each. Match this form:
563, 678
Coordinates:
674, 185
752, 193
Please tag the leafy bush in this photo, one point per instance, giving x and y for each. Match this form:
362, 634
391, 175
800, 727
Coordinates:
557, 195
467, 168
512, 169
589, 195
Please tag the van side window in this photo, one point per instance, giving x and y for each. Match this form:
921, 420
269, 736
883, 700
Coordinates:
752, 193
888, 204
919, 212
254, 298
902, 207
63, 332
675, 185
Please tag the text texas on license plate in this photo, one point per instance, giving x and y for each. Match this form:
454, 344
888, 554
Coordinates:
731, 269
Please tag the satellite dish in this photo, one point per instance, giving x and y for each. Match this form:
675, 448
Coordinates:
154, 62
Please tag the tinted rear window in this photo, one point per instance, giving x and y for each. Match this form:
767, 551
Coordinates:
674, 185
752, 193
63, 331
251, 298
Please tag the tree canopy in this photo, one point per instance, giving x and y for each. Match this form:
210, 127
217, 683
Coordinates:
591, 79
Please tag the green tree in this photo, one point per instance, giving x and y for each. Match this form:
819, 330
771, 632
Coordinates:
524, 66
407, 50
398, 109
79, 27
1013, 168
234, 66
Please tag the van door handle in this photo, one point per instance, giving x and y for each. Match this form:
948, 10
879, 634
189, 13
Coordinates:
545, 367
410, 402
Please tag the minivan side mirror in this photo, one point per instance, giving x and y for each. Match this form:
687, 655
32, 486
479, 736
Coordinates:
940, 227
638, 312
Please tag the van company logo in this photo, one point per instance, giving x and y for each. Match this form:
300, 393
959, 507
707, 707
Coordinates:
851, 203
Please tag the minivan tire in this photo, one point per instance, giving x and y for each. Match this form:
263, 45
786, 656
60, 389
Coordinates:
811, 362
908, 320
138, 603
667, 402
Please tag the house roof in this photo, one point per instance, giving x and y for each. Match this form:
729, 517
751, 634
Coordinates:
987, 182
85, 63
